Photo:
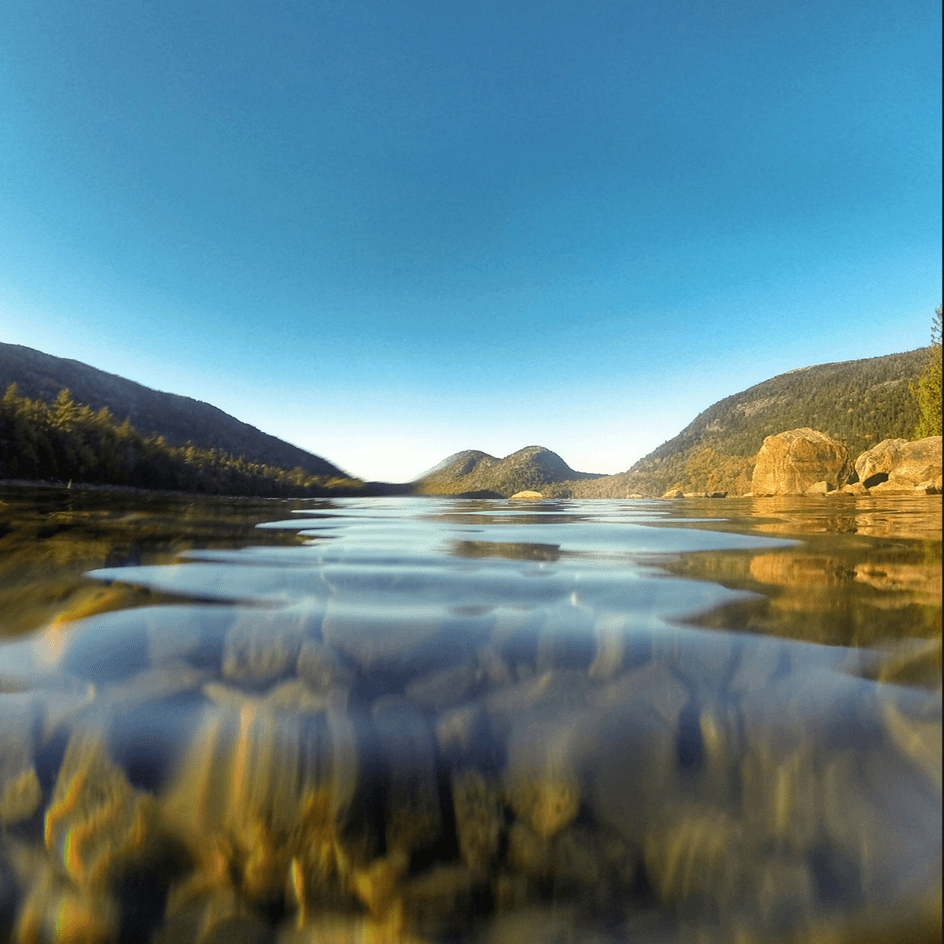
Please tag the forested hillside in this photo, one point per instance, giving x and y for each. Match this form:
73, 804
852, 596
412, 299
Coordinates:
179, 420
858, 402
70, 442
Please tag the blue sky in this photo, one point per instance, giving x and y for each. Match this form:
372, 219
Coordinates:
390, 231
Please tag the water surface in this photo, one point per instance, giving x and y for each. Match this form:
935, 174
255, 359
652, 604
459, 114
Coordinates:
460, 720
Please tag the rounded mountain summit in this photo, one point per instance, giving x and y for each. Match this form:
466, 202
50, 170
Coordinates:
475, 474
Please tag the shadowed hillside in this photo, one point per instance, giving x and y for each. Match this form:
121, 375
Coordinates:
474, 472
180, 420
858, 402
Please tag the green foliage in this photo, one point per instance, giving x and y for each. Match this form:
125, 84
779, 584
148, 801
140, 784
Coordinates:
927, 389
67, 441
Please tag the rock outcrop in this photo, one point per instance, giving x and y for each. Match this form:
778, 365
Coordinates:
793, 462
901, 466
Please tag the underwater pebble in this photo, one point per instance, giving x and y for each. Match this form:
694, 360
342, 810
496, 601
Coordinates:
290, 695
543, 780
898, 854
20, 721
696, 853
456, 728
376, 640
20, 795
438, 897
56, 910
912, 720
636, 774
154, 684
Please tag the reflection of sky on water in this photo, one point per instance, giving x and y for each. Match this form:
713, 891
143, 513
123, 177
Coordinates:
611, 556
385, 556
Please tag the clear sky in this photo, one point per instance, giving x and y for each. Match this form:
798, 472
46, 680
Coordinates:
389, 230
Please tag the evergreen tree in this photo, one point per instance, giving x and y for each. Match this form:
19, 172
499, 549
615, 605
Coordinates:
927, 390
65, 412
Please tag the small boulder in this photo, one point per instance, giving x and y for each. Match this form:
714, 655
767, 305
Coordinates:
527, 495
673, 493
791, 462
854, 488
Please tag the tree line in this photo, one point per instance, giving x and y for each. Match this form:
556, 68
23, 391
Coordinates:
65, 441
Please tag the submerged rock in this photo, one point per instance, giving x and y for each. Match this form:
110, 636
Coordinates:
20, 722
96, 824
479, 818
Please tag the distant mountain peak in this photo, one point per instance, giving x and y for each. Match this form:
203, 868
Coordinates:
465, 457
472, 471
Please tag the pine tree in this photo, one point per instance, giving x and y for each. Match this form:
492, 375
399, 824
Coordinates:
927, 390
65, 412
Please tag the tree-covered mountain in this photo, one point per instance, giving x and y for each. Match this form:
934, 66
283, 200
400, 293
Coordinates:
857, 402
65, 441
476, 473
179, 420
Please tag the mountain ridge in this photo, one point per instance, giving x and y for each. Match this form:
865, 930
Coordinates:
179, 419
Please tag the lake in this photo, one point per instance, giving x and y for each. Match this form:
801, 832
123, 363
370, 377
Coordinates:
456, 720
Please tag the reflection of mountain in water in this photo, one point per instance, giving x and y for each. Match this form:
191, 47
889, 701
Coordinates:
867, 575
507, 549
52, 537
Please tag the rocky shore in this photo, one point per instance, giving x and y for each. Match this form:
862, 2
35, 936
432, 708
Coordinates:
806, 461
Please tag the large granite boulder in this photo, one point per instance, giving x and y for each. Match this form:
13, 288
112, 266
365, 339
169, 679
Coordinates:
792, 462
919, 466
875, 464
896, 464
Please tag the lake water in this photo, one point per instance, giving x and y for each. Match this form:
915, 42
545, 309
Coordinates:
451, 720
